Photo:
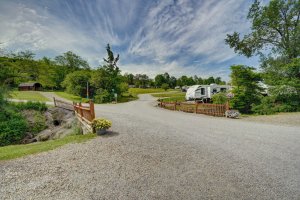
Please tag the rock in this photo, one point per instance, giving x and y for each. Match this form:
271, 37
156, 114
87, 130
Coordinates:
60, 123
44, 135
232, 114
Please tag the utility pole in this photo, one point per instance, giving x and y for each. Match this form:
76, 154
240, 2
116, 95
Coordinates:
87, 90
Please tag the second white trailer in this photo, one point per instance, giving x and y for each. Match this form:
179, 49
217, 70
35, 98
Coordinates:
204, 92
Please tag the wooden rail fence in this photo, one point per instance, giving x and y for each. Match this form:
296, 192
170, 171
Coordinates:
85, 113
199, 108
62, 104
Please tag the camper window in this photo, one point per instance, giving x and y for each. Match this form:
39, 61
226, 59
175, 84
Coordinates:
214, 91
202, 91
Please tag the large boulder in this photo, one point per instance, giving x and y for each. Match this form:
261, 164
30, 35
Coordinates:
232, 114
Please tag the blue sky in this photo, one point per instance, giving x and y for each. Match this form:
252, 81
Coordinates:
175, 36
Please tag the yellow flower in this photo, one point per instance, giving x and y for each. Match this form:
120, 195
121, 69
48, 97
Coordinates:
101, 124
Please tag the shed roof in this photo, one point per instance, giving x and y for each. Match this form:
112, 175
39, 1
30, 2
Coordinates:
29, 84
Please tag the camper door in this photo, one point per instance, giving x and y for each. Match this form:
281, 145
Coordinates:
200, 93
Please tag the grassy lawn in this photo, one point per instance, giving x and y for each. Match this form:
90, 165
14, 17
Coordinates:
71, 97
171, 96
137, 91
127, 96
133, 93
28, 95
16, 151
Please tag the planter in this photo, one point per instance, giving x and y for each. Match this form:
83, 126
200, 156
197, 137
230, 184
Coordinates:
101, 131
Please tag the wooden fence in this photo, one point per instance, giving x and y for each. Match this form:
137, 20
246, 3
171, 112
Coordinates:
62, 104
85, 113
199, 108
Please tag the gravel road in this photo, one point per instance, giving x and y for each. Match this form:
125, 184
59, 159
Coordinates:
153, 153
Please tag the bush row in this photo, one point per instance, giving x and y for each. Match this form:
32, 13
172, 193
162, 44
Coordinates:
13, 126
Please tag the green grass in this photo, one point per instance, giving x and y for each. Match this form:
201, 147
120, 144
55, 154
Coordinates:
171, 96
28, 95
133, 93
71, 97
137, 91
126, 97
16, 151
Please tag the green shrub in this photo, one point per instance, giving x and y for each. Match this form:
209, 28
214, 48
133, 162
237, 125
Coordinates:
38, 106
269, 105
102, 96
12, 130
39, 123
219, 98
123, 87
165, 86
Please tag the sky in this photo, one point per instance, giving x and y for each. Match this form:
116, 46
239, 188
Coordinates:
181, 37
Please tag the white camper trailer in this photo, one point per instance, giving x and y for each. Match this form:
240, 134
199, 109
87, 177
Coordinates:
204, 92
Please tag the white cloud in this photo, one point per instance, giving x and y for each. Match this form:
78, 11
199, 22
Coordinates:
151, 36
197, 29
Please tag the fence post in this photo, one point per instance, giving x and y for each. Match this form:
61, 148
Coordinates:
175, 105
80, 109
54, 101
92, 109
196, 107
227, 106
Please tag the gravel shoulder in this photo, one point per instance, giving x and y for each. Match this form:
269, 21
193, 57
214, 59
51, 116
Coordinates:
152, 153
289, 119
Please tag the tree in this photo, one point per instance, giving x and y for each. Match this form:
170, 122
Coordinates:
76, 82
72, 61
165, 86
210, 80
26, 66
129, 78
275, 37
219, 81
159, 80
276, 25
141, 80
184, 80
25, 55
107, 78
246, 89
48, 74
172, 82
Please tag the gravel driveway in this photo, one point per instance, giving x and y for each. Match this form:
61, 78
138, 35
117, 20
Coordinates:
153, 153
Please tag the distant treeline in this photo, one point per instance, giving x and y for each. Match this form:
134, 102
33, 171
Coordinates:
72, 73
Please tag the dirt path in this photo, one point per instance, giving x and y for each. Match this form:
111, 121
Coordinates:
153, 153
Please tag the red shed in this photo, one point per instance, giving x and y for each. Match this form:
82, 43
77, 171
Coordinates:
30, 86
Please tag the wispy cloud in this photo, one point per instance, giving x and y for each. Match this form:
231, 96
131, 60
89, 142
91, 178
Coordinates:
177, 36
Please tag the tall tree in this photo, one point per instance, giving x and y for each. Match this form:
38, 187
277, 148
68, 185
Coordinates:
72, 61
276, 25
107, 78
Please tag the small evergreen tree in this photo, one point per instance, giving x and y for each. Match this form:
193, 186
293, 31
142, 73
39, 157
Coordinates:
246, 89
